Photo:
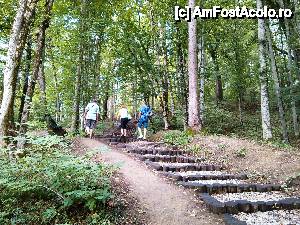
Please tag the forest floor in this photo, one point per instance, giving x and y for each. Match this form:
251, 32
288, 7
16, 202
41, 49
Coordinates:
156, 200
262, 162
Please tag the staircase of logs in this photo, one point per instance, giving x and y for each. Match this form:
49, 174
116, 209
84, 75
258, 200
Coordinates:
240, 201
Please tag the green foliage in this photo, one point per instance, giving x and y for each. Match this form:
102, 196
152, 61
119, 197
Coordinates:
49, 183
177, 138
178, 120
220, 121
241, 152
195, 149
102, 126
36, 125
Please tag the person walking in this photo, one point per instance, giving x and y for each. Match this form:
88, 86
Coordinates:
124, 117
144, 114
91, 116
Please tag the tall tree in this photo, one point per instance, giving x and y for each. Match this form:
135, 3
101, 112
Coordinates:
277, 86
77, 97
16, 46
201, 69
291, 69
36, 67
193, 106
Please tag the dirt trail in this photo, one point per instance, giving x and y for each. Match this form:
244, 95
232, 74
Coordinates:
167, 204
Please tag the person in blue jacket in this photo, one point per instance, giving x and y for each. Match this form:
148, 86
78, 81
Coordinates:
144, 114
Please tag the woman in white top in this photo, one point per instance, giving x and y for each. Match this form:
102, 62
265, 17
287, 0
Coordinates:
124, 117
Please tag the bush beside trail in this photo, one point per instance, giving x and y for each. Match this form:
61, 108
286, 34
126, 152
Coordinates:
49, 185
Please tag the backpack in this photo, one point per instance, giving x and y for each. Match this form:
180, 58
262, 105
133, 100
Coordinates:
146, 112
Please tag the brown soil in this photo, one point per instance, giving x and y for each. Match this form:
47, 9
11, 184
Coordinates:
165, 203
262, 162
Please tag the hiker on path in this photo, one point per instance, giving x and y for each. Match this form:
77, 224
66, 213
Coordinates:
124, 117
144, 114
91, 116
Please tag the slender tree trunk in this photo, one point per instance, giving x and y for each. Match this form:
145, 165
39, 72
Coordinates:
296, 36
16, 45
42, 83
265, 112
240, 106
78, 94
105, 100
26, 77
165, 97
297, 15
104, 106
36, 68
193, 108
75, 119
201, 69
277, 86
57, 99
290, 73
219, 88
182, 82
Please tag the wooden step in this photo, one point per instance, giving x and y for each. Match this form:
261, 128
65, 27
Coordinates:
203, 175
180, 167
154, 151
231, 186
262, 218
169, 158
243, 203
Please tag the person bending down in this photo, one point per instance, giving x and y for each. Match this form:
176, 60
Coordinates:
91, 116
144, 114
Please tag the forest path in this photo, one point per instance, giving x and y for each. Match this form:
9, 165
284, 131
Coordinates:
166, 203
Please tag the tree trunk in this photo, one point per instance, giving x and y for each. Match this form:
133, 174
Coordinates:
182, 82
277, 86
57, 99
290, 74
219, 89
16, 45
296, 25
26, 77
265, 112
105, 101
75, 119
77, 97
42, 83
165, 97
201, 69
297, 15
193, 108
240, 106
36, 68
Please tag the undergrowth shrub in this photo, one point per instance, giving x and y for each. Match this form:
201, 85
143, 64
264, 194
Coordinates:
220, 121
49, 185
156, 123
177, 138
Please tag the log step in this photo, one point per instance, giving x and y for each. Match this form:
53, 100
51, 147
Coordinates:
228, 186
169, 158
156, 151
262, 218
204, 175
234, 203
180, 167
